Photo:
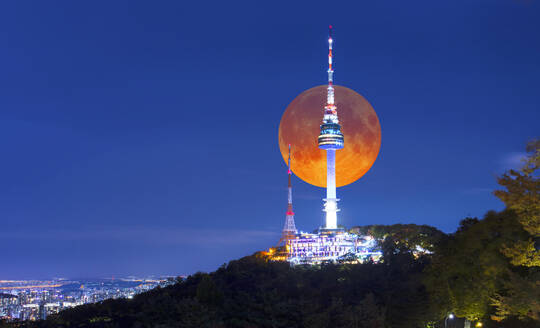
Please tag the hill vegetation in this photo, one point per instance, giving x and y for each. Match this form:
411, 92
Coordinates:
488, 272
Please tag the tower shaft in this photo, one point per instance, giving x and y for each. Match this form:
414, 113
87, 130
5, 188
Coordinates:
330, 205
330, 173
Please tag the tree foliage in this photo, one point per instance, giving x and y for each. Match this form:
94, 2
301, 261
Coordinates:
521, 293
522, 195
490, 267
468, 269
410, 237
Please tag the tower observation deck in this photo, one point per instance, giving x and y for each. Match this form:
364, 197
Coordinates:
330, 139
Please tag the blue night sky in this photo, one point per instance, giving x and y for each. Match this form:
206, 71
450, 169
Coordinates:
141, 137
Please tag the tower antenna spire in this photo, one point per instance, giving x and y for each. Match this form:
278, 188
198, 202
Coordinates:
330, 94
289, 164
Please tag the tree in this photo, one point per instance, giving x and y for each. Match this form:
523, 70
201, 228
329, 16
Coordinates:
366, 314
521, 294
466, 223
522, 195
207, 291
417, 239
520, 299
468, 270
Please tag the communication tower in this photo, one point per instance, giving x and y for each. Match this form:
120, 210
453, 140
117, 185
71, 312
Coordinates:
330, 139
289, 229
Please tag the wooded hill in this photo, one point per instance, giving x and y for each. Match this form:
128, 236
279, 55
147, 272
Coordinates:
488, 271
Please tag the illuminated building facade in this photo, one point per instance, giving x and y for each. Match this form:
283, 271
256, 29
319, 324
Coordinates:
341, 247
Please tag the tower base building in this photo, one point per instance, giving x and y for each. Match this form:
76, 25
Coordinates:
338, 247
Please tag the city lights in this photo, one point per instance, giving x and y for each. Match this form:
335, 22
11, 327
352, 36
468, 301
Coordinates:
35, 300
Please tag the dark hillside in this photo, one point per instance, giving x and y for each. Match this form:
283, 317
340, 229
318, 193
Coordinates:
465, 274
251, 292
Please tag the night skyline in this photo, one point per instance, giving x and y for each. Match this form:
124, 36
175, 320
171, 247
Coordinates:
143, 139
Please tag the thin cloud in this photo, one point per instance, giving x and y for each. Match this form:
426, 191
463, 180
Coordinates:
478, 191
514, 160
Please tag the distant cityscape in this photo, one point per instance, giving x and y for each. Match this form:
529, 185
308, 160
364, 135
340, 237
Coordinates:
37, 299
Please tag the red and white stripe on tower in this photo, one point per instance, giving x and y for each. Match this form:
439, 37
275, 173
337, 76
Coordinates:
330, 108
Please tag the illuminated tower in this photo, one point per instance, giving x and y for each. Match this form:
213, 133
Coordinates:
330, 139
289, 229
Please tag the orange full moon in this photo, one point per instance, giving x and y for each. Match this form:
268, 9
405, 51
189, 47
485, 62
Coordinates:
300, 126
